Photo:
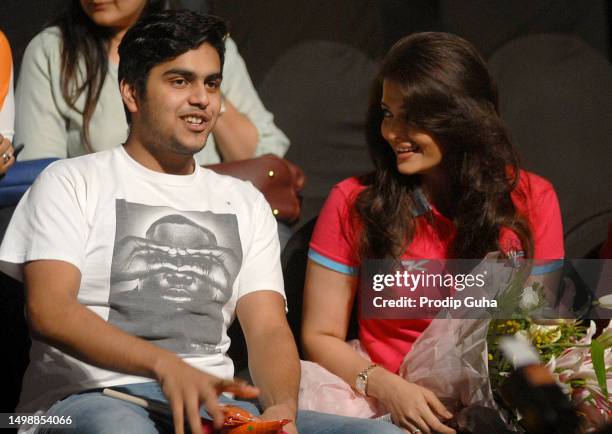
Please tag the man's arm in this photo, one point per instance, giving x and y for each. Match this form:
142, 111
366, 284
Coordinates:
273, 357
56, 317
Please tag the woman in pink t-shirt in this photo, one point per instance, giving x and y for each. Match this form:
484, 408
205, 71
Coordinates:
447, 184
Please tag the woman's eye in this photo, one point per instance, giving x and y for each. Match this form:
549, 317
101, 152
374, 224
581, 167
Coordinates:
386, 113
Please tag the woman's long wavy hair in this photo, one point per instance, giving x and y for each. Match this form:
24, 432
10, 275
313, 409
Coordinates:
447, 92
85, 45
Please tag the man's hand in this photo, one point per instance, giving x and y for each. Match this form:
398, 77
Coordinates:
7, 159
187, 388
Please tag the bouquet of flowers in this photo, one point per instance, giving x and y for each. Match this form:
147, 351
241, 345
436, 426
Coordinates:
581, 365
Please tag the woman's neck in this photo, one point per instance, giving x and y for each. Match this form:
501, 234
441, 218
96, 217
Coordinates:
113, 46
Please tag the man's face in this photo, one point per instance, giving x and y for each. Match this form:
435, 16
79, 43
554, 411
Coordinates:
181, 102
193, 270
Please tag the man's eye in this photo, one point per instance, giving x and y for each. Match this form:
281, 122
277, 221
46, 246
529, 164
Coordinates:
386, 113
179, 82
213, 84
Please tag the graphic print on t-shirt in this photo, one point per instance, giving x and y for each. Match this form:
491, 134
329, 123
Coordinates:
171, 275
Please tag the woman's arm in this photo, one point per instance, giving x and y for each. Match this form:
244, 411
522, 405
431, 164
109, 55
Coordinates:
246, 129
235, 135
39, 123
328, 298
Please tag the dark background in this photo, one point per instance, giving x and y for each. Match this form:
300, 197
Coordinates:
312, 62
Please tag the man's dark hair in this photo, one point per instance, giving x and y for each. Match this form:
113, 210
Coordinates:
163, 36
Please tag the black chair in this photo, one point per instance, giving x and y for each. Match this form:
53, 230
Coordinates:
16, 341
555, 98
293, 260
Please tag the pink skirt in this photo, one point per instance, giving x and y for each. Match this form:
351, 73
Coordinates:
322, 391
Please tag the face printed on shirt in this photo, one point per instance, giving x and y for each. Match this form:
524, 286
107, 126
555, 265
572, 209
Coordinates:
180, 277
191, 269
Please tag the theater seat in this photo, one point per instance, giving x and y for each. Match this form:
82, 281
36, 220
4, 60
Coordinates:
556, 100
13, 328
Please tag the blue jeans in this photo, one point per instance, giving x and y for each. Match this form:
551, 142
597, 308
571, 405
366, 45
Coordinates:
95, 413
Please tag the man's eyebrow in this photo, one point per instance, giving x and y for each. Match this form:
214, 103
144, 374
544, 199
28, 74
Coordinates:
190, 75
214, 77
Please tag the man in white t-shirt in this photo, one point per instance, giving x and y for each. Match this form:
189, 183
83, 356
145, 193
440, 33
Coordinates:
135, 260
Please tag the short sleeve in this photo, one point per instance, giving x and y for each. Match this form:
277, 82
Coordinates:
538, 202
48, 223
261, 267
39, 120
547, 226
333, 242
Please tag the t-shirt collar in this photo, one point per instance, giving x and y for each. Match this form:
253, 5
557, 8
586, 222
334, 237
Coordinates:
154, 176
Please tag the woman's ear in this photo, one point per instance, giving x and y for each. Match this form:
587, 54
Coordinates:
128, 94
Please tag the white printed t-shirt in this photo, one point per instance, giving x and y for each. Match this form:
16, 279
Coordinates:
164, 257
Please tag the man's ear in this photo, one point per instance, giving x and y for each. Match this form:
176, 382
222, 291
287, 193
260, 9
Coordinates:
128, 94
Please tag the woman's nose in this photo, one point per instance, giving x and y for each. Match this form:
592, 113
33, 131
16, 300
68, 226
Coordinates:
393, 132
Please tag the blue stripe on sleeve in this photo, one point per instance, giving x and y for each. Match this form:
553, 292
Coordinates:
546, 268
331, 264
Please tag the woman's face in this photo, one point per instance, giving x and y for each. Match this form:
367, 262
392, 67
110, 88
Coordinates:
415, 150
116, 14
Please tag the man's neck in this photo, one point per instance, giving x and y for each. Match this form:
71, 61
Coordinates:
164, 162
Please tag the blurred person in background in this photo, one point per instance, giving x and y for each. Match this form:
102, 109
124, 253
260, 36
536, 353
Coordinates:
68, 100
7, 106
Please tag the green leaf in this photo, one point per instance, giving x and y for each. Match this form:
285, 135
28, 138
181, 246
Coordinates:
606, 338
597, 355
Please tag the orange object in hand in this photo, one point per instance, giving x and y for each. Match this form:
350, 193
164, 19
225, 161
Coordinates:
238, 421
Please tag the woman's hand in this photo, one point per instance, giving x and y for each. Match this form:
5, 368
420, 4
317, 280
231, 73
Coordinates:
411, 406
7, 159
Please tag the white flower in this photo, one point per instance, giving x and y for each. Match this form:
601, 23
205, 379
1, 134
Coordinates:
524, 336
605, 301
529, 299
552, 333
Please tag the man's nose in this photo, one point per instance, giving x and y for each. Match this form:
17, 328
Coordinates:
179, 279
199, 95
